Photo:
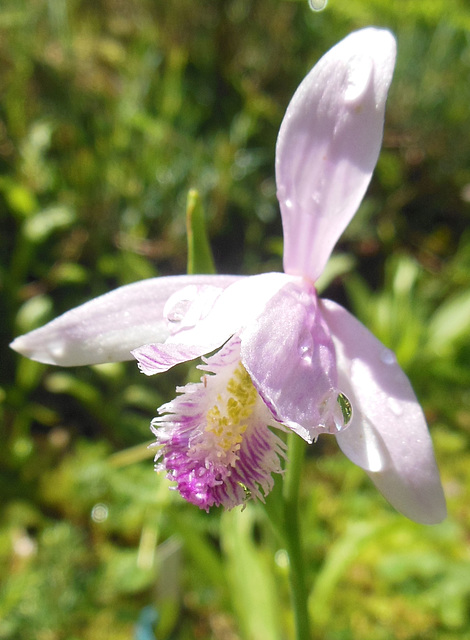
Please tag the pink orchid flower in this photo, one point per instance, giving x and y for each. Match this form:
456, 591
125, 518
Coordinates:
284, 358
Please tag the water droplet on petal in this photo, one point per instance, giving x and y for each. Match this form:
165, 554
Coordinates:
316, 197
317, 5
336, 413
288, 203
346, 408
305, 352
177, 313
394, 406
305, 348
388, 357
57, 349
188, 305
360, 73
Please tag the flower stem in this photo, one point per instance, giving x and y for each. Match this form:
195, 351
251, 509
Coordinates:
296, 452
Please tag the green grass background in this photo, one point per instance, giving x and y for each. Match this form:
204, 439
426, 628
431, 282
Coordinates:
110, 111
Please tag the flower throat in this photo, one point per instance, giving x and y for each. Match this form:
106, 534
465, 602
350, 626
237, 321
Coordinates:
228, 419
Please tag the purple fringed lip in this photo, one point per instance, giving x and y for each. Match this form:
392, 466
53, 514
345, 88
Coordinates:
215, 441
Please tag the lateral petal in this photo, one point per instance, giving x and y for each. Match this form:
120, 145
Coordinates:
290, 357
196, 335
388, 435
328, 145
107, 328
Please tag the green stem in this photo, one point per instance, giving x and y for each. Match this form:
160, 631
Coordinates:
296, 449
282, 509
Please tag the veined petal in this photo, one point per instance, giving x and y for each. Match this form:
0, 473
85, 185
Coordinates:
290, 357
198, 334
328, 145
107, 328
214, 437
158, 357
388, 435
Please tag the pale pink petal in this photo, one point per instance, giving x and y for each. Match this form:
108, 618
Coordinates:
198, 334
189, 305
158, 357
388, 435
290, 357
107, 328
328, 146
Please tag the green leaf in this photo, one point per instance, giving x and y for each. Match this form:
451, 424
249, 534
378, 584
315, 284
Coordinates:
449, 325
250, 574
40, 226
200, 258
339, 558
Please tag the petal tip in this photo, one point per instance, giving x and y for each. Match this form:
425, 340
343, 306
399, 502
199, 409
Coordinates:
29, 349
431, 514
328, 145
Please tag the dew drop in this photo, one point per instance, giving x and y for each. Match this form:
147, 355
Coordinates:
99, 513
346, 408
281, 558
288, 203
335, 413
305, 348
177, 313
360, 73
305, 352
178, 304
316, 197
394, 406
317, 5
57, 349
388, 357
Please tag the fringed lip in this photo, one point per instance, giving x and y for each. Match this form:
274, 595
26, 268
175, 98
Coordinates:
215, 439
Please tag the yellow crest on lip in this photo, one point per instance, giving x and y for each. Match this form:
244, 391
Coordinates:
228, 419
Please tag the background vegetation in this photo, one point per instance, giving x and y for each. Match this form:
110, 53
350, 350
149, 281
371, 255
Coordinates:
111, 110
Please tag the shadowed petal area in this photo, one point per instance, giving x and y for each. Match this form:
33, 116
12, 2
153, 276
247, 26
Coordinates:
328, 146
388, 435
290, 357
197, 334
107, 328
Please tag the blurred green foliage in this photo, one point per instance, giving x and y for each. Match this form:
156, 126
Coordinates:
110, 112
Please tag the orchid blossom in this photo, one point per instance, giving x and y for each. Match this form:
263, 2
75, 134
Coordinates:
284, 359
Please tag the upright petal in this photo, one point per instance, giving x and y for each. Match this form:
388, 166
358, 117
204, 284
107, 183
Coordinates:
107, 328
328, 146
388, 435
290, 357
